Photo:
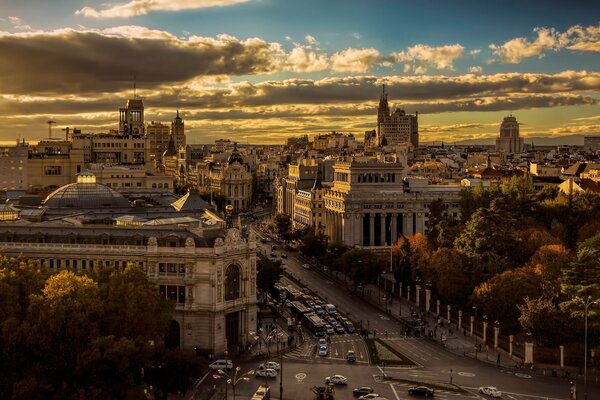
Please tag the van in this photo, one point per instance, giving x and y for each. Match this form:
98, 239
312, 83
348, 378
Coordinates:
221, 364
330, 308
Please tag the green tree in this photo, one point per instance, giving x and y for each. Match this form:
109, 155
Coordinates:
449, 273
362, 266
402, 255
313, 244
269, 273
489, 237
282, 224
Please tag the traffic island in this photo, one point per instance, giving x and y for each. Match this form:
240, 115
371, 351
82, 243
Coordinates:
382, 353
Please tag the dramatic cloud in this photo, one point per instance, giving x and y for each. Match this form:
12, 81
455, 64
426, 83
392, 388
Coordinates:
19, 24
476, 69
304, 58
142, 7
354, 60
73, 61
420, 57
548, 39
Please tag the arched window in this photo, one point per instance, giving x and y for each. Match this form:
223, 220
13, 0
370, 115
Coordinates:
232, 282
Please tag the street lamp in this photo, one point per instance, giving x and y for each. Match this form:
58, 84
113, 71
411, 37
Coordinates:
262, 337
587, 302
233, 380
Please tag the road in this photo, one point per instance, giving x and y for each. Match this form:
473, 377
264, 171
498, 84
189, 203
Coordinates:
433, 362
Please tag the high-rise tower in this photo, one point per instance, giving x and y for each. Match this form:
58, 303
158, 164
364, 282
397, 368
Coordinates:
178, 131
509, 141
131, 118
383, 112
397, 128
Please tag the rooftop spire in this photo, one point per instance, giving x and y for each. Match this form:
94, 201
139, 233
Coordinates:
134, 87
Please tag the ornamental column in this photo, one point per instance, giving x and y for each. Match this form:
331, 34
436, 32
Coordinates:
371, 229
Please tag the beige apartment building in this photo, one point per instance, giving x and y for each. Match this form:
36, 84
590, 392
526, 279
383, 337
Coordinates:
13, 167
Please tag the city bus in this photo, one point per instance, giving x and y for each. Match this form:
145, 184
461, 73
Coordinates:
315, 324
298, 310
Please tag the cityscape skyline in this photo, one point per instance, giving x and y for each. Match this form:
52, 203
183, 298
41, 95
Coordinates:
245, 70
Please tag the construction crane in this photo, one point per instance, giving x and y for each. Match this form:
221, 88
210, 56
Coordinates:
50, 123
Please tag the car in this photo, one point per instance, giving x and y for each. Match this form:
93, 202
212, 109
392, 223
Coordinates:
221, 364
269, 364
361, 391
288, 303
339, 329
331, 320
369, 396
305, 266
490, 391
329, 329
263, 240
323, 351
420, 391
273, 254
322, 342
283, 255
349, 327
319, 310
266, 373
337, 379
351, 356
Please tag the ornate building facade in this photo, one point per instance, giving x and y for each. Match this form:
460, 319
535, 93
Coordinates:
209, 273
397, 128
509, 141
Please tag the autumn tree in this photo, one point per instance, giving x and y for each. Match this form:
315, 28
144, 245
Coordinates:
500, 296
449, 274
548, 324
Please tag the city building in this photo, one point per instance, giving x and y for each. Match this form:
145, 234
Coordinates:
591, 143
158, 135
209, 273
308, 208
131, 118
397, 128
509, 141
370, 204
13, 167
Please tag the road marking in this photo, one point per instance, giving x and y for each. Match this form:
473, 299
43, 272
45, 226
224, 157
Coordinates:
520, 375
466, 374
301, 376
394, 390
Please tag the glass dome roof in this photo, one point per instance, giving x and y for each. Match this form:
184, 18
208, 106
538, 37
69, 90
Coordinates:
85, 193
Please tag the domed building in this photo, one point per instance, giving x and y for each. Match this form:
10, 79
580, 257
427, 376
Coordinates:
232, 179
86, 193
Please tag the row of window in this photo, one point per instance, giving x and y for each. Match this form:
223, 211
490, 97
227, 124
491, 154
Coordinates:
84, 264
171, 269
53, 170
377, 178
173, 292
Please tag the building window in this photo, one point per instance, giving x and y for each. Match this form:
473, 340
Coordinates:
173, 292
52, 170
232, 282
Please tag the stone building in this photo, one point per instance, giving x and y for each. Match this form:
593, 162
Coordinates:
509, 141
397, 128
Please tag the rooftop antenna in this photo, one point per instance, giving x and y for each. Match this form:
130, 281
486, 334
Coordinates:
134, 87
50, 123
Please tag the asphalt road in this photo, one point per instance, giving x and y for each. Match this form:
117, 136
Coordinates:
434, 363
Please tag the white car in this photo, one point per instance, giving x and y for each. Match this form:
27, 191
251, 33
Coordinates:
490, 391
266, 373
369, 396
269, 365
336, 379
323, 351
329, 329
305, 266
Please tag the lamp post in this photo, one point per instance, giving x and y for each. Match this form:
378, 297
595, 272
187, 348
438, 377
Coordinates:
279, 339
233, 380
587, 302
266, 337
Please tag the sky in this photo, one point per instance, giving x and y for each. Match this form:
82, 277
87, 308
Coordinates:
260, 71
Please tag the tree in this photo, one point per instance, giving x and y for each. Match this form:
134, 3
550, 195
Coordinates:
362, 266
500, 297
489, 237
269, 273
313, 244
532, 238
547, 323
449, 273
402, 256
282, 224
549, 262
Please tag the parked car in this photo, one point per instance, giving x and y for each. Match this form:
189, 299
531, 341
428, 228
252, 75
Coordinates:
283, 255
490, 391
351, 356
305, 266
221, 364
322, 351
361, 391
420, 391
266, 373
322, 342
336, 379
269, 364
